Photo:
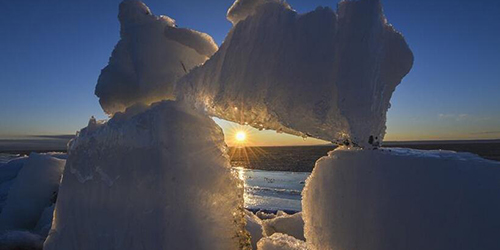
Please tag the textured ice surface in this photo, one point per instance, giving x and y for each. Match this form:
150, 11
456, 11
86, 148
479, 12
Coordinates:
254, 227
402, 199
149, 179
241, 9
43, 225
292, 225
33, 190
280, 241
20, 240
8, 173
325, 74
150, 56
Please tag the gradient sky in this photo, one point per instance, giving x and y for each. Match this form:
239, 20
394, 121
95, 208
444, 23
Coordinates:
52, 51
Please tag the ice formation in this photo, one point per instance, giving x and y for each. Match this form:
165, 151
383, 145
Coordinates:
33, 190
150, 56
241, 9
253, 227
292, 225
8, 174
20, 240
402, 199
280, 241
156, 178
325, 74
265, 216
263, 224
44, 224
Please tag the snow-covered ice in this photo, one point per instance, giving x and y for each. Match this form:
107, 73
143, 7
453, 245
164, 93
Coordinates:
265, 216
150, 56
280, 223
44, 224
241, 9
254, 228
292, 225
325, 74
402, 199
29, 184
8, 173
280, 241
156, 178
20, 240
33, 190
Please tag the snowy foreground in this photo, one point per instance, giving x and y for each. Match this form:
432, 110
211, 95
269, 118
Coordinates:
400, 199
28, 191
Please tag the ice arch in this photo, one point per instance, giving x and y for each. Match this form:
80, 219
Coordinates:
325, 74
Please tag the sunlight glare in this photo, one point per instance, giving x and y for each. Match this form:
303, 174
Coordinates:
241, 136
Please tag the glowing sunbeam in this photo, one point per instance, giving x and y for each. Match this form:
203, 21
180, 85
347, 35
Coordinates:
241, 136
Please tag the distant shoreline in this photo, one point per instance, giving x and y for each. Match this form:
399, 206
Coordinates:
27, 152
489, 149
303, 158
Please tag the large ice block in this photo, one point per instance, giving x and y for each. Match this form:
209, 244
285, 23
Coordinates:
402, 199
325, 74
150, 56
149, 179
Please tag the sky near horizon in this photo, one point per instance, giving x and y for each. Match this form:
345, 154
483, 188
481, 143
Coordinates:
52, 51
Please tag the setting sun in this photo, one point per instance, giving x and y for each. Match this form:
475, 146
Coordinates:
241, 136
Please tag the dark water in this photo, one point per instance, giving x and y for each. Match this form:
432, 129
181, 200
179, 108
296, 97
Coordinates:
295, 158
40, 144
302, 158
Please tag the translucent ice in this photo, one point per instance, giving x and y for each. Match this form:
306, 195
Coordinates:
155, 178
280, 241
33, 190
292, 225
253, 227
324, 74
402, 199
150, 56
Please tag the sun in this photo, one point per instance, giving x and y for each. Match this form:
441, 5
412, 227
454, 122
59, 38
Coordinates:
241, 136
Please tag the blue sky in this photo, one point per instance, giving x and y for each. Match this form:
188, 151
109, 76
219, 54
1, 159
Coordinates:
52, 51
